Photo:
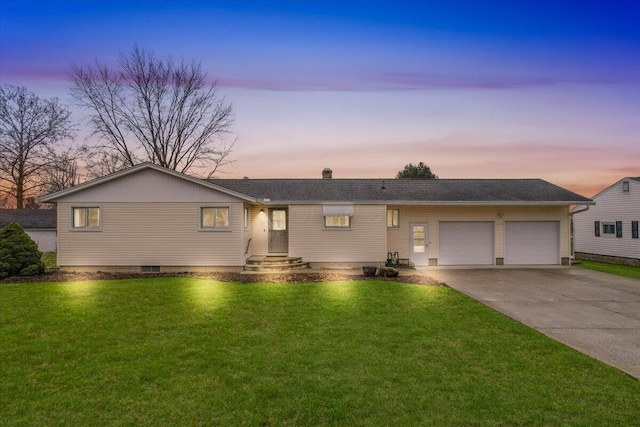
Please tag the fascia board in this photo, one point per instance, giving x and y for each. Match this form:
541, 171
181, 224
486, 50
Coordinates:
51, 198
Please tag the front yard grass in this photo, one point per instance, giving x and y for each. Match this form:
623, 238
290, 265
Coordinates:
186, 351
620, 270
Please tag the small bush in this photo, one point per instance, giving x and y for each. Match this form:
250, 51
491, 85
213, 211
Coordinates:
32, 270
19, 254
4, 269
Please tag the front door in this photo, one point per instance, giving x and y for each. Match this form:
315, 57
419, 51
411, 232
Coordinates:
419, 245
278, 231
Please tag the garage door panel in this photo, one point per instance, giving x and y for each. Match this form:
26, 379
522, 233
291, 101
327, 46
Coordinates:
466, 243
532, 242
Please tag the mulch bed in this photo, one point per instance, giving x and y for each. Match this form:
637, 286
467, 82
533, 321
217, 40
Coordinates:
65, 276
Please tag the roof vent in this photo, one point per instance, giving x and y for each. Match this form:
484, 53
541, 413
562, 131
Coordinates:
327, 173
246, 177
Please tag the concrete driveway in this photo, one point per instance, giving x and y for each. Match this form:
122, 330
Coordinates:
595, 313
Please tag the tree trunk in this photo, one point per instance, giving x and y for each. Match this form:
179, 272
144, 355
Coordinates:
20, 196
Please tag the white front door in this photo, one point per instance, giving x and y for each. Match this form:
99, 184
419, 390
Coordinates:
419, 245
278, 233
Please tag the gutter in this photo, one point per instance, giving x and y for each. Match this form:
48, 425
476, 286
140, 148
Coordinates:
586, 208
268, 202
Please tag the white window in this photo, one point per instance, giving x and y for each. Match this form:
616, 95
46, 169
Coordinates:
246, 218
85, 218
278, 220
393, 218
337, 217
343, 221
214, 218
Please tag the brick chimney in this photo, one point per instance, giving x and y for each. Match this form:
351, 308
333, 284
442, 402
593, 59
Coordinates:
327, 173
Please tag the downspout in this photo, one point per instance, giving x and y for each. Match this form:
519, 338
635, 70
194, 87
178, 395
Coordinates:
571, 214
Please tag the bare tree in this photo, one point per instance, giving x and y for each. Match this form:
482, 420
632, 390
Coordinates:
156, 110
100, 163
63, 169
29, 127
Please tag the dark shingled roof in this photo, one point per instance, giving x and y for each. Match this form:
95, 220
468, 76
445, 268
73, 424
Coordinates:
403, 190
31, 219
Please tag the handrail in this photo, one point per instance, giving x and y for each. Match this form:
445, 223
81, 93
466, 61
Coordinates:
248, 244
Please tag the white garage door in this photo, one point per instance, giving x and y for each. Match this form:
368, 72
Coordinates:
532, 242
467, 243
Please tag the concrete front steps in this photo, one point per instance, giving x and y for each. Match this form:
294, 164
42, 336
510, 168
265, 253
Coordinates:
274, 263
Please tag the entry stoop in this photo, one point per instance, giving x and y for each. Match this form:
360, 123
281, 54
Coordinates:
274, 263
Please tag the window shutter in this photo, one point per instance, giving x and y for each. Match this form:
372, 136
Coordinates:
597, 228
618, 228
634, 229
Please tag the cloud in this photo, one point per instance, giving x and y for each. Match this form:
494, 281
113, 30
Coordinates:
427, 81
287, 84
627, 171
29, 74
331, 80
402, 81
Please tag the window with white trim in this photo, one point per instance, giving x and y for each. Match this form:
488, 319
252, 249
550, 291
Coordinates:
337, 217
343, 221
393, 218
85, 218
246, 218
214, 218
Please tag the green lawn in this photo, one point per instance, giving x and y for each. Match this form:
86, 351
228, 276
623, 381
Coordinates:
185, 351
620, 270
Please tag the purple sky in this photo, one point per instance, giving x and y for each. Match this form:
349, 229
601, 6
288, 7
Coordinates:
499, 89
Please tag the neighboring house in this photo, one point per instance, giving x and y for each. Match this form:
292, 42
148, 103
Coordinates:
608, 231
148, 218
40, 225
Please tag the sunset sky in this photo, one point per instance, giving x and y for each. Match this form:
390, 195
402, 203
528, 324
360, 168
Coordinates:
475, 89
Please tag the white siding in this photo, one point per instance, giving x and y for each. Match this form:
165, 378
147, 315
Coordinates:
611, 205
148, 185
365, 242
46, 239
398, 238
164, 234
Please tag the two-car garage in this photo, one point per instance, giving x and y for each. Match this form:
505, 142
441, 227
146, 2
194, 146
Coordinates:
473, 242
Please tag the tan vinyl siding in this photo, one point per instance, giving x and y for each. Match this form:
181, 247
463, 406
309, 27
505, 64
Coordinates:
164, 234
365, 242
148, 185
611, 205
398, 238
